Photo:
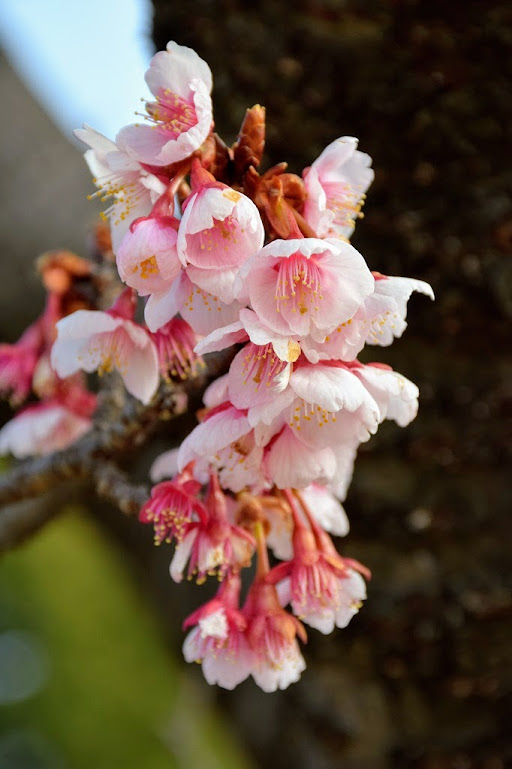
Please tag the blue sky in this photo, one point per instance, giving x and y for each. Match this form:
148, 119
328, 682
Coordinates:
83, 61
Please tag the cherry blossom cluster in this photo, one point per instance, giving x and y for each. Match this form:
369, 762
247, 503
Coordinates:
224, 255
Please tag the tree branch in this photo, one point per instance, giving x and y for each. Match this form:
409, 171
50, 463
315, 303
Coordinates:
112, 484
117, 430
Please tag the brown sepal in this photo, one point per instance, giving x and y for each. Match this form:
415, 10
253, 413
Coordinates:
220, 159
60, 269
248, 148
293, 190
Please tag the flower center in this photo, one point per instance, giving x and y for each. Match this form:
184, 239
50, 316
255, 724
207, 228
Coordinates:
147, 267
126, 190
308, 412
262, 365
173, 113
298, 287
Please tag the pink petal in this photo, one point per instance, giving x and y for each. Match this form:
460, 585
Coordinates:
256, 376
330, 387
147, 259
216, 393
174, 69
327, 509
42, 429
142, 375
221, 338
292, 464
214, 434
181, 555
164, 305
164, 466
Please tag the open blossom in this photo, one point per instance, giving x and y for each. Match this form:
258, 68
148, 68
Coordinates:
306, 286
133, 188
41, 429
272, 635
51, 425
172, 506
91, 340
309, 396
212, 544
279, 453
218, 638
175, 346
181, 116
219, 231
323, 589
378, 321
225, 442
335, 185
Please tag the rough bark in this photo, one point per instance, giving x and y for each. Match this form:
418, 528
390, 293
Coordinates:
422, 677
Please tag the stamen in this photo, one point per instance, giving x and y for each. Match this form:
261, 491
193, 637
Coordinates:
299, 283
261, 365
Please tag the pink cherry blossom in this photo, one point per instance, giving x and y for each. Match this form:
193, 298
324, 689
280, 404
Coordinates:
172, 506
289, 462
133, 188
308, 396
379, 320
272, 635
51, 425
92, 340
225, 442
41, 429
219, 231
182, 113
335, 184
175, 346
332, 406
212, 544
323, 590
218, 639
396, 396
147, 259
18, 362
307, 286
307, 433
257, 376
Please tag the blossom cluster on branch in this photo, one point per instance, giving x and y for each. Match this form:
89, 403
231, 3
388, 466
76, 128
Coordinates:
224, 255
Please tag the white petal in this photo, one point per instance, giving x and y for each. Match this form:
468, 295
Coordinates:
292, 464
330, 387
164, 466
181, 555
327, 509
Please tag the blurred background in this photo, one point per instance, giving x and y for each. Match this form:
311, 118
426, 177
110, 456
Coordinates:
90, 665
